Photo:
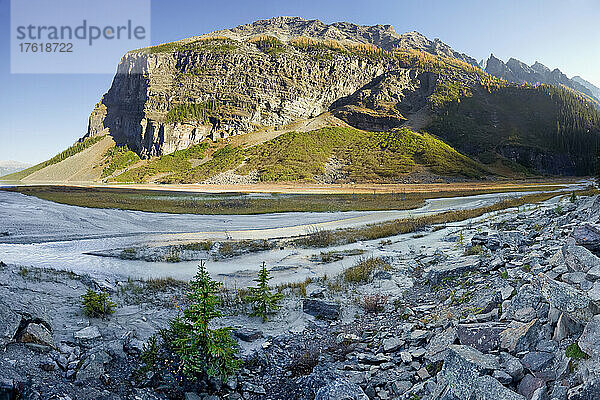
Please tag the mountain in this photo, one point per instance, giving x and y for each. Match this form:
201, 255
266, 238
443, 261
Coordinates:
592, 88
517, 71
289, 99
8, 166
382, 36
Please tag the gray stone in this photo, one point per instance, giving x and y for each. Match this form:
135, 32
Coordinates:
589, 341
341, 389
520, 336
191, 396
436, 273
462, 366
574, 278
587, 236
512, 365
540, 394
579, 258
406, 357
481, 336
392, 344
589, 390
418, 334
92, 368
575, 303
439, 343
321, 309
9, 324
485, 301
37, 334
593, 273
565, 327
594, 292
502, 377
87, 333
373, 359
529, 384
488, 388
523, 305
248, 334
537, 360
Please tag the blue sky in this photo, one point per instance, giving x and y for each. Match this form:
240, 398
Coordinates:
41, 114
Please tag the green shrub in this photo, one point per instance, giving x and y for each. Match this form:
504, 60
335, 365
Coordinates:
573, 197
474, 250
192, 112
97, 304
117, 158
203, 350
268, 44
262, 300
573, 351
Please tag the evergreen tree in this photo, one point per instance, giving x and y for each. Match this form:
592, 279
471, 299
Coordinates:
263, 301
203, 350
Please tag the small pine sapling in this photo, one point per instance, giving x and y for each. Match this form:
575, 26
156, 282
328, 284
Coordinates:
263, 301
204, 350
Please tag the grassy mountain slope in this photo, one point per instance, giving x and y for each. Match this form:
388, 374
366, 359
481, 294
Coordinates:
301, 156
71, 151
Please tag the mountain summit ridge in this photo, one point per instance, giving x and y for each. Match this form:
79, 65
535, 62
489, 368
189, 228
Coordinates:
384, 36
515, 70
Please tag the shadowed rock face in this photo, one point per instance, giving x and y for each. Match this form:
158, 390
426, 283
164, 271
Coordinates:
255, 89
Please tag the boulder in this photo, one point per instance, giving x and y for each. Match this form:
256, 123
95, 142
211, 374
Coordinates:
321, 309
565, 327
527, 298
341, 389
92, 368
537, 360
488, 388
435, 274
573, 302
37, 334
529, 384
485, 301
392, 344
481, 336
87, 334
588, 236
578, 258
521, 336
589, 390
439, 343
513, 367
589, 341
594, 292
248, 334
9, 324
463, 366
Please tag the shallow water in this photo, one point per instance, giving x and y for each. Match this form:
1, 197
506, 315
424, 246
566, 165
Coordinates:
40, 233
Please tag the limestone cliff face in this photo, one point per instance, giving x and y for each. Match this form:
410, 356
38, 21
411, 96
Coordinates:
256, 88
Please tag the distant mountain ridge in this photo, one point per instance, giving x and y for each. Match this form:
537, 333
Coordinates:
517, 71
590, 86
10, 166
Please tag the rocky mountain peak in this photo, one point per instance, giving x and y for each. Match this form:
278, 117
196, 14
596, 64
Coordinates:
517, 71
384, 36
